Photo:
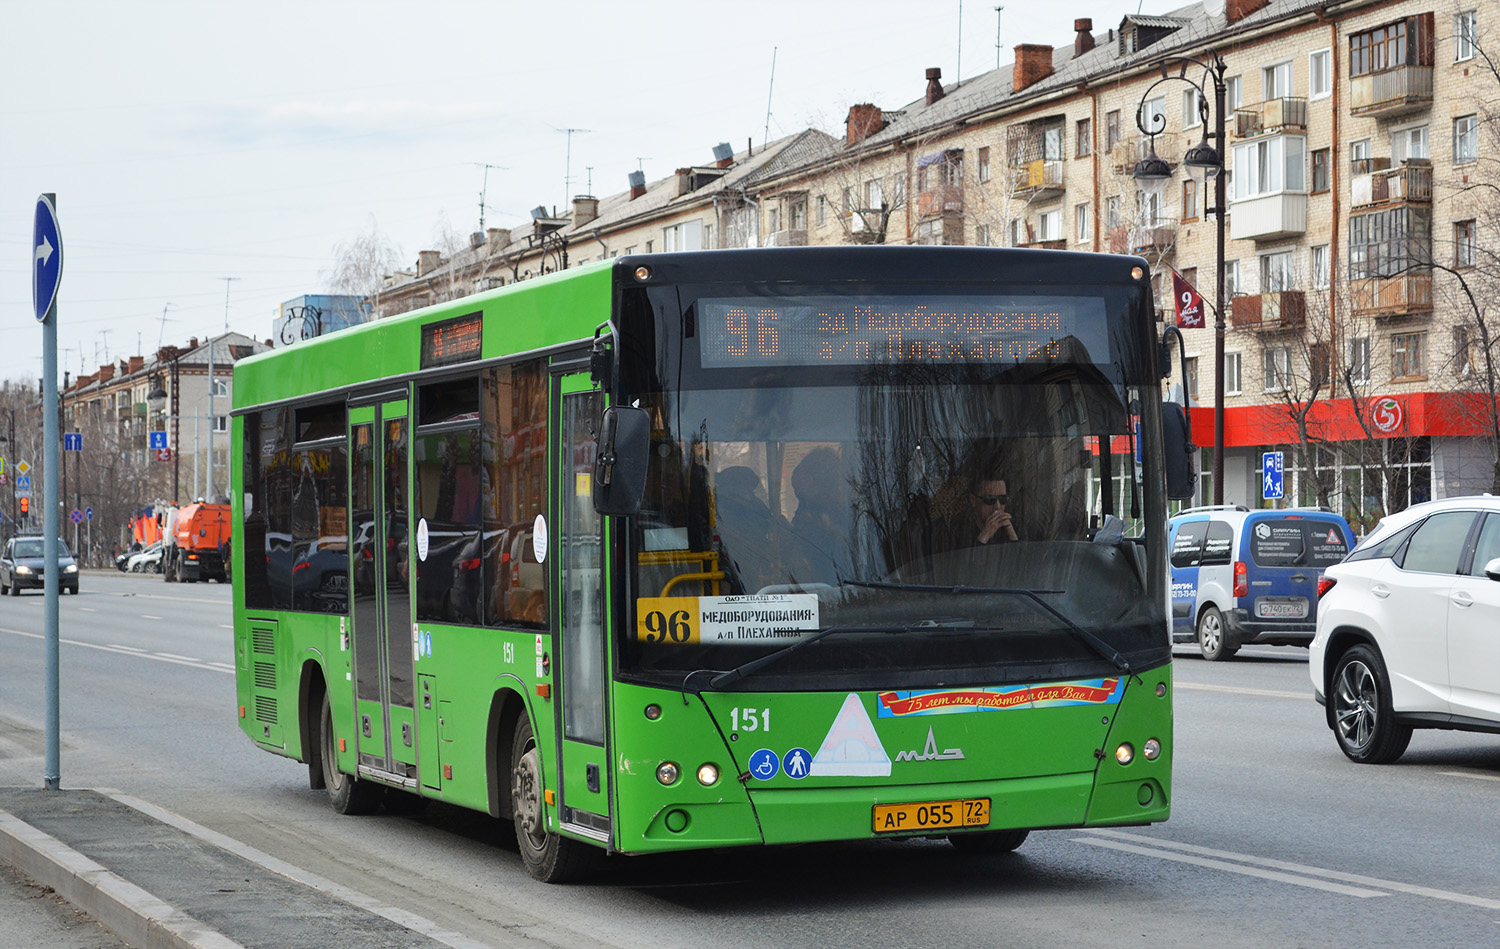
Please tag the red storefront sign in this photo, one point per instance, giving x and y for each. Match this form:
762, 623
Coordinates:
1388, 416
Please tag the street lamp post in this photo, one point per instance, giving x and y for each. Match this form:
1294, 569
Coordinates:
1205, 161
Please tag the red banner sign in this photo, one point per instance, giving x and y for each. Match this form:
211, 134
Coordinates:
1189, 303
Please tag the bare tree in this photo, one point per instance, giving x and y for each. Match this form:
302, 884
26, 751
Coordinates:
362, 264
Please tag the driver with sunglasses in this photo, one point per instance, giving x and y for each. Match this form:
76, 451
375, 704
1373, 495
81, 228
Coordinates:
990, 521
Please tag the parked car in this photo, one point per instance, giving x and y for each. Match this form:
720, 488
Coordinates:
145, 561
1407, 626
1241, 576
23, 565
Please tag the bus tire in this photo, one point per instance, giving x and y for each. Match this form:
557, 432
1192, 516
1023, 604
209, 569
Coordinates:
547, 856
346, 793
1213, 636
993, 841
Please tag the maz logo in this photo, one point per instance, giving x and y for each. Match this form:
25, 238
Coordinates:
930, 752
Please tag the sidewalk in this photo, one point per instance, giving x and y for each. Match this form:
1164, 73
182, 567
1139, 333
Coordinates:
158, 880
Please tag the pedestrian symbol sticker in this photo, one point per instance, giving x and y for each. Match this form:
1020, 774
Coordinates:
852, 749
764, 764
796, 763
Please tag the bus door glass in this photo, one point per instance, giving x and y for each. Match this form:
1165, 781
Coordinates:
380, 581
581, 650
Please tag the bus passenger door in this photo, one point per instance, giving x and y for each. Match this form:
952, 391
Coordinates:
582, 654
380, 570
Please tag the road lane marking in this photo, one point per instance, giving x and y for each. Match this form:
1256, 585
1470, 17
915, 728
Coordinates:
1351, 878
1272, 875
170, 655
1235, 690
149, 616
1471, 774
126, 651
87, 609
225, 626
126, 648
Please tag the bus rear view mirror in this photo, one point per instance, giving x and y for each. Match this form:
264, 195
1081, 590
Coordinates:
1177, 438
620, 460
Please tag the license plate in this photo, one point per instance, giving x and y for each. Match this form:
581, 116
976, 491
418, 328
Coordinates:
1293, 609
932, 815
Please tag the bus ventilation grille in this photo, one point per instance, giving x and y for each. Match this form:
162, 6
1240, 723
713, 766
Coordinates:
265, 675
265, 709
263, 640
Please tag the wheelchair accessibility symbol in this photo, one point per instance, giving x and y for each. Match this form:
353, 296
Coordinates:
764, 764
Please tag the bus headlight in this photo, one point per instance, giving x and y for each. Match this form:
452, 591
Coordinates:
71, 568
22, 569
1152, 751
1125, 753
667, 772
708, 774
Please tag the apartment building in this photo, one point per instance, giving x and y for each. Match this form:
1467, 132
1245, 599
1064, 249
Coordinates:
1352, 138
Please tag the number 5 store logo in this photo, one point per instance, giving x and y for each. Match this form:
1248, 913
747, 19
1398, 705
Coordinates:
1386, 415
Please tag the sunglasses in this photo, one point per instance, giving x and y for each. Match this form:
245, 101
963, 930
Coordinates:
993, 498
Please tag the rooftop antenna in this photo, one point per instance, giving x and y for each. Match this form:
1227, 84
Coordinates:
766, 135
162, 332
998, 11
568, 166
484, 187
590, 186
958, 71
227, 282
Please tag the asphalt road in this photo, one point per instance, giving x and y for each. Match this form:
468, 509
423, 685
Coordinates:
1275, 838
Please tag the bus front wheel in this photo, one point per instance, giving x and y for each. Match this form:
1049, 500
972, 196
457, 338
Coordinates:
346, 793
548, 857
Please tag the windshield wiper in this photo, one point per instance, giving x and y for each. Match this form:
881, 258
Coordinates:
755, 665
1100, 648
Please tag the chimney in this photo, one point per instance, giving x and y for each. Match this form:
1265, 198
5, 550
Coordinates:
476, 240
585, 209
637, 184
934, 84
1033, 64
1084, 41
1236, 10
427, 261
137, 363
864, 120
106, 373
193, 343
684, 181
497, 238
723, 155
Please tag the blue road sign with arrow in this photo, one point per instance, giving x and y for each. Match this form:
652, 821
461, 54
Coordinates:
46, 241
158, 441
1271, 470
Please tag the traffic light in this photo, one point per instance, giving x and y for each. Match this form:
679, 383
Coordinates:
26, 505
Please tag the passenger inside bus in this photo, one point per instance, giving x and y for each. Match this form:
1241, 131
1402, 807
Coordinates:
750, 533
820, 528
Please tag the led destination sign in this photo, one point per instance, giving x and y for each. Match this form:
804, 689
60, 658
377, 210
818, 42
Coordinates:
452, 341
855, 330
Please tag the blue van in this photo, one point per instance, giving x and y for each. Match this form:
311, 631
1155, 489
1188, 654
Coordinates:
1241, 576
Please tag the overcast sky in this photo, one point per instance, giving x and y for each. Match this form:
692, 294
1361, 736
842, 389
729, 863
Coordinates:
189, 142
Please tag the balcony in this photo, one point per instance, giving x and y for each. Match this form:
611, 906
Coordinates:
1269, 217
1273, 115
1038, 180
1282, 309
1391, 92
1170, 148
1059, 244
796, 237
944, 199
1158, 236
1405, 294
1412, 182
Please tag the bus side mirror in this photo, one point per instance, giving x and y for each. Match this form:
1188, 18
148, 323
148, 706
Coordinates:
620, 460
1178, 440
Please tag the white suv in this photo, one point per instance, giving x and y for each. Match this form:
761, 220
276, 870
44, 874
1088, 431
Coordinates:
1407, 629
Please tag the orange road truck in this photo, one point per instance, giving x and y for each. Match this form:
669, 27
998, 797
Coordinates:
202, 536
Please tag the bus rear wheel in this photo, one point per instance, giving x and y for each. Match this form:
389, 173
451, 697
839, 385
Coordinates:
346, 793
548, 857
993, 841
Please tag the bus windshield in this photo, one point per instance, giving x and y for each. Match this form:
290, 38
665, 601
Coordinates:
937, 520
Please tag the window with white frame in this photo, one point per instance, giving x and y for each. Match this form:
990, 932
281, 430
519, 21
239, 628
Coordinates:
221, 387
822, 210
1465, 139
1231, 373
984, 164
1191, 118
1270, 165
1278, 367
1359, 151
1233, 93
982, 235
1018, 233
1320, 74
1359, 359
1319, 266
1112, 218
221, 423
1231, 278
1081, 219
1049, 226
1192, 377
1463, 351
1464, 246
1276, 81
1154, 113
1408, 143
1408, 355
1465, 35
874, 194
1276, 272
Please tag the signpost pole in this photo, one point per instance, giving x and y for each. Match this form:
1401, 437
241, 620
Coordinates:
46, 277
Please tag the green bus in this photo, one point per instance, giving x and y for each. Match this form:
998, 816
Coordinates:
723, 548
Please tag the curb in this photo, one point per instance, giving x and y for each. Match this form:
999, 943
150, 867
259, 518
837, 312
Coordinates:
122, 907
